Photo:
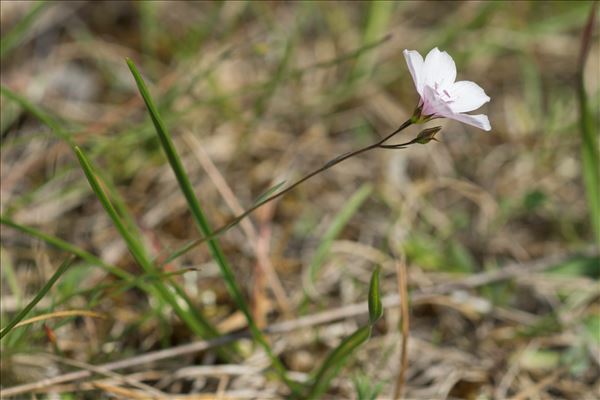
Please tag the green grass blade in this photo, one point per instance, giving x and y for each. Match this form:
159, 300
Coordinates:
201, 220
336, 360
36, 112
197, 323
67, 247
133, 245
589, 138
200, 327
339, 222
375, 305
130, 224
120, 205
129, 280
10, 277
380, 13
39, 296
13, 38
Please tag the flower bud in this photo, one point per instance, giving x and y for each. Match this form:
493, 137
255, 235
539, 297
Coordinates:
427, 135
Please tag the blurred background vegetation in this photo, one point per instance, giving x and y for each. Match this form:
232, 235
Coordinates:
257, 93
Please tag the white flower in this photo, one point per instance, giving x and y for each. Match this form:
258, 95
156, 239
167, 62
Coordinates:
440, 95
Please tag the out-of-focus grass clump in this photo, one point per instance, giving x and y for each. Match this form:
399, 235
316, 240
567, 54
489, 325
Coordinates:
496, 230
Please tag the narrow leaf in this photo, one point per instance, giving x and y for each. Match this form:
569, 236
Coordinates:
37, 112
67, 247
332, 364
39, 296
188, 313
375, 306
16, 35
589, 133
201, 220
200, 327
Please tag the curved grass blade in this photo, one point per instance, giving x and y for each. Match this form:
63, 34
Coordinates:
13, 38
200, 327
191, 316
37, 112
128, 280
68, 247
331, 366
39, 296
61, 314
202, 221
114, 288
130, 224
365, 389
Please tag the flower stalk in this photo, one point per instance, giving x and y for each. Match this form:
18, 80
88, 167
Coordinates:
441, 96
381, 144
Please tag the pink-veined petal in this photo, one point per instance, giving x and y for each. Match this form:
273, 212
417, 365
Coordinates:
415, 65
439, 69
480, 121
432, 104
437, 107
467, 96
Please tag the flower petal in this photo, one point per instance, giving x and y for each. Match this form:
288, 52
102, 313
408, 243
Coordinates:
415, 65
467, 96
439, 69
433, 105
480, 121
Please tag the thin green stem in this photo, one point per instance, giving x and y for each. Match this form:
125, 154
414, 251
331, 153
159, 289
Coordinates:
218, 232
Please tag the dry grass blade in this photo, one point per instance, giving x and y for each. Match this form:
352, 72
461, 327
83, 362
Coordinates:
61, 314
536, 389
149, 390
349, 311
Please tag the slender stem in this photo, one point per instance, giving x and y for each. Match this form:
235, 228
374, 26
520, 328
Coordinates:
329, 164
